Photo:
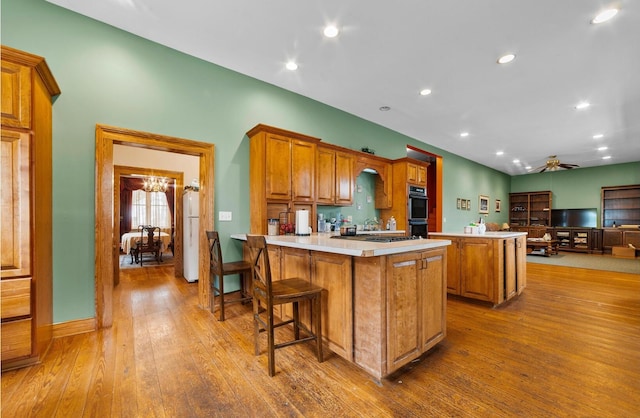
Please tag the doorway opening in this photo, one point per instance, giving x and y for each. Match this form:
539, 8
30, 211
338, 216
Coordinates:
177, 182
107, 242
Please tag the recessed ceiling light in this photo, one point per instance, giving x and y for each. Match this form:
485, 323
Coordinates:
604, 16
598, 136
606, 157
331, 31
582, 105
603, 148
505, 59
516, 161
425, 92
500, 153
385, 108
528, 167
464, 134
292, 66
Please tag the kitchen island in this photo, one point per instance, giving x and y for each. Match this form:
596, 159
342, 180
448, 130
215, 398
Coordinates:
384, 303
491, 267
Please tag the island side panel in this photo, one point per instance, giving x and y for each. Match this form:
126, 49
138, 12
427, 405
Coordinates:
369, 314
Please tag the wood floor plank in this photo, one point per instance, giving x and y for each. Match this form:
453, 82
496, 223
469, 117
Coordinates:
568, 346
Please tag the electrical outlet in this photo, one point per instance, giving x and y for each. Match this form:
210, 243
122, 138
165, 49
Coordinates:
224, 216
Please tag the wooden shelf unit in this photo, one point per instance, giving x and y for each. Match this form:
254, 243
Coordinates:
530, 212
620, 204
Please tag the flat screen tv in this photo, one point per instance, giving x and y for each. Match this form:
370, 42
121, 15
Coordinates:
577, 218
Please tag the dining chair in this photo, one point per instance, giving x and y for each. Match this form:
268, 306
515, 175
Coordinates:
149, 242
268, 294
219, 269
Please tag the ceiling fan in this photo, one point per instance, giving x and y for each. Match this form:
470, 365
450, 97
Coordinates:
554, 164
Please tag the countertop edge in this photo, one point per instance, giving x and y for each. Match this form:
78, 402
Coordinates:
490, 234
352, 248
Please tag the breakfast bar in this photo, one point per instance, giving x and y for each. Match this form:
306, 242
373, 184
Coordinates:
384, 300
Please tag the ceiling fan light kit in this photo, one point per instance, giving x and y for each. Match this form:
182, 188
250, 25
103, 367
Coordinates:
554, 164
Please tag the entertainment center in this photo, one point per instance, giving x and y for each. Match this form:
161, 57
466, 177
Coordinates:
577, 229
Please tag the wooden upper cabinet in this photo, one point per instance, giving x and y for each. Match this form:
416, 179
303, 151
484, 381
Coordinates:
334, 176
278, 167
303, 163
16, 95
416, 174
344, 178
326, 175
282, 174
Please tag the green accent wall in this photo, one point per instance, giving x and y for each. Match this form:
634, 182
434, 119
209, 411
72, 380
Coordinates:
108, 76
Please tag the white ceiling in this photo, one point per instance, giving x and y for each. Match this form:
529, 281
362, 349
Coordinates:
387, 51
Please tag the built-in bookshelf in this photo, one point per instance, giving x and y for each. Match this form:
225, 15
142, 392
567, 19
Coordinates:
620, 206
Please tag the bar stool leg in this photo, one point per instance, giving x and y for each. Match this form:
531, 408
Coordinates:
317, 313
271, 342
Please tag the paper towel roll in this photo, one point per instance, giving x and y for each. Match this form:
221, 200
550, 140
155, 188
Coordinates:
302, 222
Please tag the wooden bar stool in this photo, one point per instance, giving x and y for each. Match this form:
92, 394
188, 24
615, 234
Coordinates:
268, 293
220, 269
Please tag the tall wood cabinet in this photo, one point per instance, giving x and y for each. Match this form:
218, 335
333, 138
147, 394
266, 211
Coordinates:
406, 171
26, 274
282, 174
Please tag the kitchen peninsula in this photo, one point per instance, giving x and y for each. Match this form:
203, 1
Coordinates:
491, 267
384, 303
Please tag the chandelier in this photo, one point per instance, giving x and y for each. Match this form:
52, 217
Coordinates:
155, 184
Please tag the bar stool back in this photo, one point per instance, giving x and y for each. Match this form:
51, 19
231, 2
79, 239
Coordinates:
220, 269
268, 293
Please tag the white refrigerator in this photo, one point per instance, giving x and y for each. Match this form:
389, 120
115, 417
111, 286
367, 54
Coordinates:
191, 239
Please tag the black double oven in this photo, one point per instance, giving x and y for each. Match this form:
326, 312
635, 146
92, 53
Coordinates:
418, 211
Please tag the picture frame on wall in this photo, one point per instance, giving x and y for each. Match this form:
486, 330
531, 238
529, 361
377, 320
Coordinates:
463, 204
483, 204
468, 204
458, 203
498, 205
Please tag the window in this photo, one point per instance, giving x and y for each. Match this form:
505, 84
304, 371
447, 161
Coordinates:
150, 208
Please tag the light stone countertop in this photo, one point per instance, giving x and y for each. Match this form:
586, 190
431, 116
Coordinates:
490, 234
324, 243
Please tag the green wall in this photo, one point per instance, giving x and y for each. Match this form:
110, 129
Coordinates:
111, 77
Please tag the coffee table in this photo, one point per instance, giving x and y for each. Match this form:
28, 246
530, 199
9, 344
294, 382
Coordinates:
550, 247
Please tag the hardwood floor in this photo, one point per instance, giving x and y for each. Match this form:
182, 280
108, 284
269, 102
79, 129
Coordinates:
568, 346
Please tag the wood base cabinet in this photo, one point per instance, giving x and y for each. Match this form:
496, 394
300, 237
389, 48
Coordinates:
399, 304
26, 277
487, 269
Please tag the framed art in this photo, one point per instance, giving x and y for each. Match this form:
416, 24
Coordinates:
468, 204
458, 203
483, 204
498, 205
463, 204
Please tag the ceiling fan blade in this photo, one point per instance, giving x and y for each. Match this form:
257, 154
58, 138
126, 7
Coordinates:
569, 166
544, 168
